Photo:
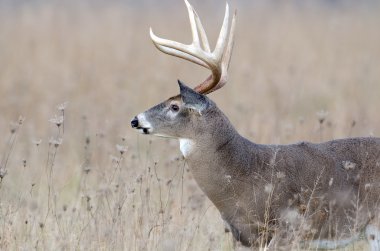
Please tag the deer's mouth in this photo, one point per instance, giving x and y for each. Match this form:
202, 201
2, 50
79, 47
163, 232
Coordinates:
144, 130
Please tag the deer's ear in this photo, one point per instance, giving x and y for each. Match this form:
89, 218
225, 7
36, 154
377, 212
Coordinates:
193, 99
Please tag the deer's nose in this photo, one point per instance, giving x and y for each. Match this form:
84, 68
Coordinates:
134, 122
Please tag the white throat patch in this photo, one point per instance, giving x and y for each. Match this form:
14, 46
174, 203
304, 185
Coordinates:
186, 146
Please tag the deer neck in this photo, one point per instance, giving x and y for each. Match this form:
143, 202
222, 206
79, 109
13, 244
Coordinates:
211, 157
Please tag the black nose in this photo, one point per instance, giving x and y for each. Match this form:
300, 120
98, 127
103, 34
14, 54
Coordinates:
134, 122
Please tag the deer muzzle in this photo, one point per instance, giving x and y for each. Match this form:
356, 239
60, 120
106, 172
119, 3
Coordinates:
139, 122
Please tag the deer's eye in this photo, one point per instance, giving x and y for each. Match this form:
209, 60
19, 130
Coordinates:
174, 107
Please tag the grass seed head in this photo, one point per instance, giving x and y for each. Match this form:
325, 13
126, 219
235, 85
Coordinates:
3, 172
122, 149
37, 142
57, 120
56, 142
62, 107
322, 115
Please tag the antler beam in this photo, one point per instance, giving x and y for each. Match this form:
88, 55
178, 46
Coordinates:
199, 51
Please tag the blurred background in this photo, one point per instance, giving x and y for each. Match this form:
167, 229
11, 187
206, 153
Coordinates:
301, 70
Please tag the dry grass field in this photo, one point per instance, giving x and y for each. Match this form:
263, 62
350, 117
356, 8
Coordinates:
75, 176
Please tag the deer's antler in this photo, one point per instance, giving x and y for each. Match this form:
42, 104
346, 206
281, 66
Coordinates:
199, 50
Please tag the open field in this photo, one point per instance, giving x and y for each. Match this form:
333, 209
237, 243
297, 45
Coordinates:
85, 193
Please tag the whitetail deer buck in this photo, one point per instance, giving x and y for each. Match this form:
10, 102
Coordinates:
328, 193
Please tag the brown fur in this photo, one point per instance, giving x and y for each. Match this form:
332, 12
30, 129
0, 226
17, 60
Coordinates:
314, 179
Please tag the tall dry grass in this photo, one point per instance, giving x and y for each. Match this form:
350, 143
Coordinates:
89, 192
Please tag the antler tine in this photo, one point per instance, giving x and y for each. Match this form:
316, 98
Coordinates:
202, 33
175, 52
193, 24
227, 56
223, 36
231, 41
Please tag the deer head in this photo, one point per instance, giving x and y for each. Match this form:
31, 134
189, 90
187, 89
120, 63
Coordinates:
180, 116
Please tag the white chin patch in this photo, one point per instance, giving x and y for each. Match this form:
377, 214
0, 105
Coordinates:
186, 146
